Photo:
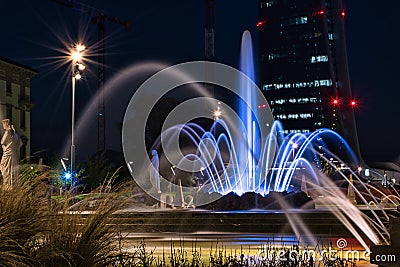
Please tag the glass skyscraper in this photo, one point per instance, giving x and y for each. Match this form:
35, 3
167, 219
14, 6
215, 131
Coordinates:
303, 66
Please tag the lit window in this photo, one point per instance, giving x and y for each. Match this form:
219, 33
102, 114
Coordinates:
269, 3
330, 36
276, 55
298, 21
318, 83
306, 115
316, 59
281, 116
315, 83
325, 82
267, 87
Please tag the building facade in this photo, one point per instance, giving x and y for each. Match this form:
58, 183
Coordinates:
15, 102
303, 66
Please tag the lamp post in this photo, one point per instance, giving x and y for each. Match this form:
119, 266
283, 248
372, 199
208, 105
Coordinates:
77, 67
294, 147
217, 113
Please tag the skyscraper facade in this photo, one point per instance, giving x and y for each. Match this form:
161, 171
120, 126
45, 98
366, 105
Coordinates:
303, 65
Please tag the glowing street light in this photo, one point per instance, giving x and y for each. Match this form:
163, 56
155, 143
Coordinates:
76, 56
80, 47
80, 66
77, 68
217, 113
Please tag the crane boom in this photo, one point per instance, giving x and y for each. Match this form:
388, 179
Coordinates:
209, 41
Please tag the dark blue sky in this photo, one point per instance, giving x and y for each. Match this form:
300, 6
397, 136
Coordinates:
173, 32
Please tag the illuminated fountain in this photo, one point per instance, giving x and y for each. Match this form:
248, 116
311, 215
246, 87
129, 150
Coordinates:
243, 152
234, 156
285, 163
281, 159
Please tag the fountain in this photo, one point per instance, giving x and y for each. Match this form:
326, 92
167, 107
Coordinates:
241, 158
243, 152
236, 157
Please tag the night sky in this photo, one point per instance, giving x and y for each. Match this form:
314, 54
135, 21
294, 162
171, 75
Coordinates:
35, 33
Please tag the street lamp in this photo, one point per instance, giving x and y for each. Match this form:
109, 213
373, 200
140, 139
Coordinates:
76, 67
217, 113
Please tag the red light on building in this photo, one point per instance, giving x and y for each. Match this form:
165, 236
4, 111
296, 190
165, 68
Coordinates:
260, 23
343, 13
353, 103
335, 101
262, 106
321, 12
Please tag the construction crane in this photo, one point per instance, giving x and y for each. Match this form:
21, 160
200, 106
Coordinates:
209, 41
99, 17
209, 30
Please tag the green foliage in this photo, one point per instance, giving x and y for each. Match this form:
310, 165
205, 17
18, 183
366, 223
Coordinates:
97, 171
29, 172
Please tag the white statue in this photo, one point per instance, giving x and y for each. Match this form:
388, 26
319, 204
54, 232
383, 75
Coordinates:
10, 143
154, 172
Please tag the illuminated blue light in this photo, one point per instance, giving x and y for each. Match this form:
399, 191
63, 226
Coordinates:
67, 175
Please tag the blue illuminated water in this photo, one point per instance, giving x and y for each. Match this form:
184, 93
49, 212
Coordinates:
248, 162
249, 153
